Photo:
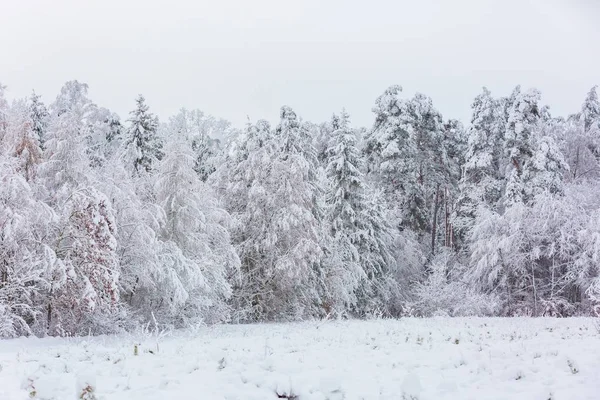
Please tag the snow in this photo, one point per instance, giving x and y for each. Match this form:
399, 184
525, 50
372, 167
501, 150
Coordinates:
437, 358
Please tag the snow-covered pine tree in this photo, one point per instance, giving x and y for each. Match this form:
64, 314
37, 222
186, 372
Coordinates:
546, 168
481, 183
534, 163
360, 263
590, 111
39, 117
143, 147
456, 142
323, 136
406, 154
293, 220
522, 126
345, 201
388, 146
240, 181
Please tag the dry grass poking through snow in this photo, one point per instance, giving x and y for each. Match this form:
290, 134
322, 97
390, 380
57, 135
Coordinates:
439, 358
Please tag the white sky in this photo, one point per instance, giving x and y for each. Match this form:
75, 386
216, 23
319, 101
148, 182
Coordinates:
238, 58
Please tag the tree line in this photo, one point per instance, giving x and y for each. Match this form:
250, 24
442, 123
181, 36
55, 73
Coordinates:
107, 224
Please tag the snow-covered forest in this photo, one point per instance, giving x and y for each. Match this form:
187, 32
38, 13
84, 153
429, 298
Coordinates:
108, 222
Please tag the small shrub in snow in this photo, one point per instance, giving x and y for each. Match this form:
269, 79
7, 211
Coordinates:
87, 393
445, 292
557, 307
573, 367
290, 396
406, 396
519, 376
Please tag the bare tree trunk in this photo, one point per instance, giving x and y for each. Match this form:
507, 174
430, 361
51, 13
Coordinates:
576, 164
534, 290
49, 318
434, 222
137, 279
553, 280
447, 226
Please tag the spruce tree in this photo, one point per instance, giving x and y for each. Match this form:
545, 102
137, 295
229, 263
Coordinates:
522, 125
406, 155
142, 144
482, 178
39, 118
590, 111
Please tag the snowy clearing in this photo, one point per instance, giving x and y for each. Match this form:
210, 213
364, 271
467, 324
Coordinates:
439, 358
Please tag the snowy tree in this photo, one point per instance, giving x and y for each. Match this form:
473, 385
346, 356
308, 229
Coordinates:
138, 246
455, 142
197, 254
389, 259
322, 136
73, 96
539, 259
203, 132
82, 292
105, 226
590, 111
272, 193
546, 168
345, 200
448, 292
39, 118
3, 112
238, 181
482, 179
345, 177
25, 225
66, 162
21, 140
103, 136
522, 126
361, 260
293, 223
579, 139
406, 153
142, 144
388, 145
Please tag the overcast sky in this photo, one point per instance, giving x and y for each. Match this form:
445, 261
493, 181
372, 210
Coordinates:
239, 58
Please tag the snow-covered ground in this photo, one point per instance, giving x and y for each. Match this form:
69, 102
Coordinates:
439, 358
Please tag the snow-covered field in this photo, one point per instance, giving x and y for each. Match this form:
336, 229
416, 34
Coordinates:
439, 358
